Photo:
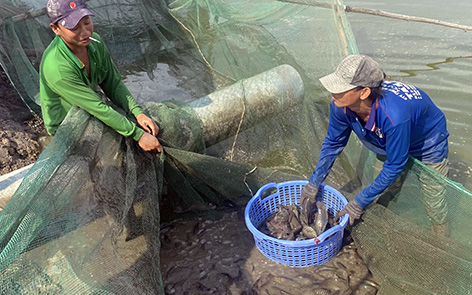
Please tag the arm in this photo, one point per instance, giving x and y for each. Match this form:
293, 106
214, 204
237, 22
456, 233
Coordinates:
75, 92
111, 82
114, 88
339, 131
397, 147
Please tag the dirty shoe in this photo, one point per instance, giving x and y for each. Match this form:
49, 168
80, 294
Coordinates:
441, 229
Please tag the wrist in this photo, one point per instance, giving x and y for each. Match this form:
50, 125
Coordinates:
313, 187
137, 111
138, 133
361, 201
356, 205
139, 115
314, 180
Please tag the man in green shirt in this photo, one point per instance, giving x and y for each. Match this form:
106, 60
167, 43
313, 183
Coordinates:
72, 68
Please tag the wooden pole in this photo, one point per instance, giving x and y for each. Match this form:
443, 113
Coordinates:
383, 14
42, 11
406, 17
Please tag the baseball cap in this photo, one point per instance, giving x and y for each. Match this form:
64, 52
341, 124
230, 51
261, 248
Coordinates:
67, 13
355, 70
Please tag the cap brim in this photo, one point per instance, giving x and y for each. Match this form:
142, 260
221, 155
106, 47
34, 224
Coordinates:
74, 18
334, 84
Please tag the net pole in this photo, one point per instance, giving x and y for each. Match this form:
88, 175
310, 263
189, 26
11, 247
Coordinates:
383, 14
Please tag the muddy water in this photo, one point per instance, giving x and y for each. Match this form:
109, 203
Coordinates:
202, 256
435, 58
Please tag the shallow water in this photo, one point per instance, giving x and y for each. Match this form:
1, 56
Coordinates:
219, 257
202, 256
435, 58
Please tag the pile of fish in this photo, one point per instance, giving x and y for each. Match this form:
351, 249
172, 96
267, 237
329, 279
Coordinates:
288, 223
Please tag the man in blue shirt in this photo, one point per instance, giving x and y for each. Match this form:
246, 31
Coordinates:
393, 120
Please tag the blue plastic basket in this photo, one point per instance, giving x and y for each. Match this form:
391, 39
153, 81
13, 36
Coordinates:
295, 253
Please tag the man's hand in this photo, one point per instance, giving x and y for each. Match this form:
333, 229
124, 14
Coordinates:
353, 209
149, 143
307, 199
147, 124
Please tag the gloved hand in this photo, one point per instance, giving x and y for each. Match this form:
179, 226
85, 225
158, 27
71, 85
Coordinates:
307, 199
353, 209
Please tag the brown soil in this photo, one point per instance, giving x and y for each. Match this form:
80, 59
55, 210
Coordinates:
22, 131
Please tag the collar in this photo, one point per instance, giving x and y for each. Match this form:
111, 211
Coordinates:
370, 124
65, 50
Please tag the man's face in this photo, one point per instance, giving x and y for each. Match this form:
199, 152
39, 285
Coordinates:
78, 36
349, 98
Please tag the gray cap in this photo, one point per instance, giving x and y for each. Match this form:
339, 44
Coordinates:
355, 70
67, 13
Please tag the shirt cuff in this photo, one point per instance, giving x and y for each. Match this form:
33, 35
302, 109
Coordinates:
315, 179
136, 111
138, 133
363, 200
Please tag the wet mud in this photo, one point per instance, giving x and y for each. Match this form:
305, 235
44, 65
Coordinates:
220, 257
22, 135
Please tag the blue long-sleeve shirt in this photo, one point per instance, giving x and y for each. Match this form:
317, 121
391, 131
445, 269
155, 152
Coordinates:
403, 121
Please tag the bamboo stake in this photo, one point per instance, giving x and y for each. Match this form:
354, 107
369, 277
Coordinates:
42, 11
383, 14
406, 17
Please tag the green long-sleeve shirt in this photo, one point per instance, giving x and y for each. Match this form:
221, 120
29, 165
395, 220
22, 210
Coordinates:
64, 83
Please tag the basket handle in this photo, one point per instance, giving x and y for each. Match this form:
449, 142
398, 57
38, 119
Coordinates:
338, 227
321, 238
265, 187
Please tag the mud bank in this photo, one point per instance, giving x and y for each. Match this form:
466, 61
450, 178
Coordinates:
22, 131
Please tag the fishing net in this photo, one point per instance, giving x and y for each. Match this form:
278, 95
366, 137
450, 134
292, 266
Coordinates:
87, 217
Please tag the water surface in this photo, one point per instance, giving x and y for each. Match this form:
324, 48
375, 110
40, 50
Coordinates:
435, 58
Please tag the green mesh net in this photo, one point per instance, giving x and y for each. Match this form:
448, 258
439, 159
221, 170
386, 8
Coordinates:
87, 217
